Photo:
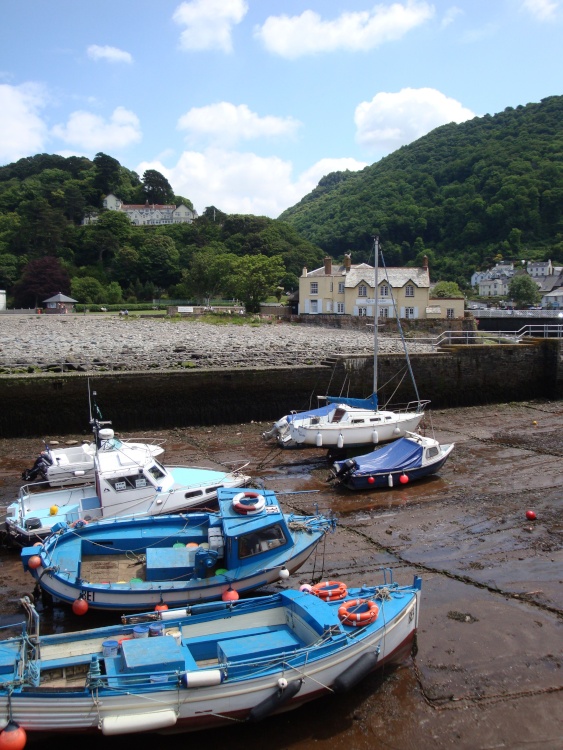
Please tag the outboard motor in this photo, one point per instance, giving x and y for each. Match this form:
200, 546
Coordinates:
39, 468
346, 468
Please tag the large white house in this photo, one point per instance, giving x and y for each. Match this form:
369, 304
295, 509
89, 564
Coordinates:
154, 214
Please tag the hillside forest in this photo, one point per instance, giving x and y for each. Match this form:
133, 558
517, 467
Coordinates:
464, 195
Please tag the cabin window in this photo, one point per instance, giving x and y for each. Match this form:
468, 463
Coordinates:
358, 421
261, 540
156, 471
210, 490
131, 482
193, 493
431, 452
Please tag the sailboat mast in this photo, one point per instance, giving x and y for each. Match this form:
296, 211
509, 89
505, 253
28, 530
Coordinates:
375, 314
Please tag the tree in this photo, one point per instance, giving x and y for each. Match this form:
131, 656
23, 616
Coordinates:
156, 187
208, 274
159, 261
446, 289
523, 290
41, 278
254, 279
88, 290
107, 173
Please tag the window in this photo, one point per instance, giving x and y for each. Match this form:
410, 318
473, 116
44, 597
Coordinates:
340, 287
329, 306
131, 482
314, 287
261, 540
362, 291
409, 290
384, 290
340, 307
450, 312
362, 312
314, 306
383, 312
409, 312
331, 286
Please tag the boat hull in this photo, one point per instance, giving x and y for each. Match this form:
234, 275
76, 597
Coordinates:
394, 478
111, 705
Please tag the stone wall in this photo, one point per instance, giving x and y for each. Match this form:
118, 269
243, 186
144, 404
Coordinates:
465, 375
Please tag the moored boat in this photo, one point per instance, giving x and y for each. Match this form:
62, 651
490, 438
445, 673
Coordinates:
207, 665
138, 563
395, 465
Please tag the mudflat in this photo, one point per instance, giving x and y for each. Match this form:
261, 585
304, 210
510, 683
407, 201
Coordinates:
488, 672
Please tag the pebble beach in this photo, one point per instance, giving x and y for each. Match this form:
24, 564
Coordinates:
138, 343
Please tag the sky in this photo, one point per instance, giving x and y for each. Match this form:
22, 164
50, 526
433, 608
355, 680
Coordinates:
245, 104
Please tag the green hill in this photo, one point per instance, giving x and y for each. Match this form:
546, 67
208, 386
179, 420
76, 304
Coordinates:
462, 194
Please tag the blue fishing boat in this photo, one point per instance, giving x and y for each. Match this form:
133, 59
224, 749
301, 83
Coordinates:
137, 563
207, 665
394, 465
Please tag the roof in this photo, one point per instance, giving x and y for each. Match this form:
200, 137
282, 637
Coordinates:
363, 272
60, 298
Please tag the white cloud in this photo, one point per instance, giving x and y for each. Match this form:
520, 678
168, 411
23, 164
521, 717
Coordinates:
93, 133
111, 54
209, 23
226, 124
450, 15
237, 182
543, 10
23, 130
307, 34
389, 121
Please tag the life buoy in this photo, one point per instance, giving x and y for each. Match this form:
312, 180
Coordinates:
358, 612
330, 590
248, 503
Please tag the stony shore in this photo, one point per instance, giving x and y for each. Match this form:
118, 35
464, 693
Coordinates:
137, 343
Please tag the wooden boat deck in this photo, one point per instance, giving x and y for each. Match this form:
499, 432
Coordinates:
112, 568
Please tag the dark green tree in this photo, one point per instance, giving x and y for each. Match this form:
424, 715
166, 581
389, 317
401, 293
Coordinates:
156, 187
523, 290
254, 278
41, 278
107, 173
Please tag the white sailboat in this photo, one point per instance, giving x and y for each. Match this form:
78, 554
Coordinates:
350, 422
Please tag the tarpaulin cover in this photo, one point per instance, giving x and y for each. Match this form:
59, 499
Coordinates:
401, 455
320, 412
357, 403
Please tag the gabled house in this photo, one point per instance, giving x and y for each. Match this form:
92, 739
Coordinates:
348, 289
147, 213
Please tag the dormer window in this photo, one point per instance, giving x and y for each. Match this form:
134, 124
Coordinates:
409, 290
362, 290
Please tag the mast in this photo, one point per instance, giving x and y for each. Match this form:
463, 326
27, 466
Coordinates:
375, 316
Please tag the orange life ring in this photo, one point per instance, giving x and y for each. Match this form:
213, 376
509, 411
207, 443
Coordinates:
330, 590
248, 503
349, 613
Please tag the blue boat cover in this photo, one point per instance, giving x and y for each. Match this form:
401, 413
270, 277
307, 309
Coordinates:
357, 403
320, 412
401, 455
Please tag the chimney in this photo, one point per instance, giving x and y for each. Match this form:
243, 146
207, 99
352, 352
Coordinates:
328, 266
425, 262
347, 261
304, 271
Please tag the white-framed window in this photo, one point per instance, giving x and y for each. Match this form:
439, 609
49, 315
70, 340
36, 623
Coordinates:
314, 306
383, 312
329, 306
362, 312
340, 287
384, 290
362, 290
409, 290
314, 287
450, 312
409, 312
340, 307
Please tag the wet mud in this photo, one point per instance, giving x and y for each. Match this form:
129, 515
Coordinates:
488, 672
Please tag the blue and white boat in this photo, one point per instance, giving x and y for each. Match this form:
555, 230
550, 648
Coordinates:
207, 665
135, 564
393, 465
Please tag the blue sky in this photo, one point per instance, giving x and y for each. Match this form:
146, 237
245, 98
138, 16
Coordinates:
246, 104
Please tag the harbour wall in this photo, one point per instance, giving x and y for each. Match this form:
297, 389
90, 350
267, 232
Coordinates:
57, 404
